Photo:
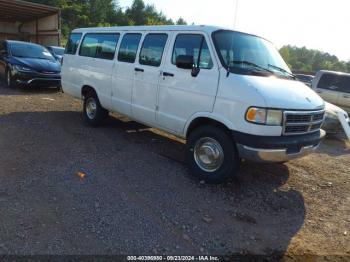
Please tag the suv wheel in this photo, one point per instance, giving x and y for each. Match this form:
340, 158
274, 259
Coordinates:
94, 113
212, 155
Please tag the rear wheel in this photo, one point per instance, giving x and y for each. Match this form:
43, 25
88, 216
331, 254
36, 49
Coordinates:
94, 113
212, 155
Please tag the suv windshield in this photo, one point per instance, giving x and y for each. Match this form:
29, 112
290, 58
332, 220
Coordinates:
247, 54
30, 51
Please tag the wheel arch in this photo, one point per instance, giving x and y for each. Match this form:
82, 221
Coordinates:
86, 89
207, 119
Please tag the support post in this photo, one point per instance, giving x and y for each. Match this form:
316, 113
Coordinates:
37, 31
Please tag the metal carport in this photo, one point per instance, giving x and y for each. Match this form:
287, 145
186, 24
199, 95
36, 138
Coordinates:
26, 21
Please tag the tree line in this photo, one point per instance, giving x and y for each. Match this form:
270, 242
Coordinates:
309, 60
91, 13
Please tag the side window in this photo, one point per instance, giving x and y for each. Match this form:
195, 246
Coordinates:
99, 46
128, 48
89, 45
329, 82
152, 49
193, 45
107, 46
344, 84
72, 44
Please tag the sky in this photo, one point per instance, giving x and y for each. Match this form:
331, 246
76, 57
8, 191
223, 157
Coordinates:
316, 24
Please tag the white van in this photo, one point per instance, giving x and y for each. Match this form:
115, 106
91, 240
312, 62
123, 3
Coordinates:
229, 94
334, 87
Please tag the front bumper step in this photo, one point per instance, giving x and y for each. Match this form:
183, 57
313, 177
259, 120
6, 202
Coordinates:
273, 155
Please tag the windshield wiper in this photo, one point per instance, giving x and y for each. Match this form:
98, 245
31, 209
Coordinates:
282, 70
251, 64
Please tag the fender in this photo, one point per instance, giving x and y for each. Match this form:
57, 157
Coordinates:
213, 116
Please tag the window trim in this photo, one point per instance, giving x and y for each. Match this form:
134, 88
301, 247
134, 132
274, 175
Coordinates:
100, 33
143, 43
138, 47
78, 45
204, 40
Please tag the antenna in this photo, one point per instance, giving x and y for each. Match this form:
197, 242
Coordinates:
236, 12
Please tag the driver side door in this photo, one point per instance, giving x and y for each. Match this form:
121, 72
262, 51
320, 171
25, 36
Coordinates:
180, 94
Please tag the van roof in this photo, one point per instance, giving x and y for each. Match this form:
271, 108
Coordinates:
204, 28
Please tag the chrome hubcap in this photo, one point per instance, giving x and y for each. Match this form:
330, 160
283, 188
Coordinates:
91, 108
208, 154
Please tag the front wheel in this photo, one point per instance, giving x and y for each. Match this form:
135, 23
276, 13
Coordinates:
212, 155
94, 113
9, 79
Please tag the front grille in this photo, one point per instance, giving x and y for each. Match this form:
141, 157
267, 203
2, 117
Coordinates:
298, 118
296, 122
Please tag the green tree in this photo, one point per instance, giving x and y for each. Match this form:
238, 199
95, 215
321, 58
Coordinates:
90, 13
309, 60
181, 21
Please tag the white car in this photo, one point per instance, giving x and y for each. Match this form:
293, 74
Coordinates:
230, 94
333, 87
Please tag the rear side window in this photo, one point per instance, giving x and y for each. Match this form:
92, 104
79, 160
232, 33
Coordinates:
89, 46
193, 45
152, 49
99, 46
72, 44
339, 83
128, 48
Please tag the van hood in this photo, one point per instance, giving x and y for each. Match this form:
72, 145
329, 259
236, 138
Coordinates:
286, 94
39, 65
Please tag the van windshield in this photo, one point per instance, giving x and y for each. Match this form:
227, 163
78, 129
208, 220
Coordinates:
247, 54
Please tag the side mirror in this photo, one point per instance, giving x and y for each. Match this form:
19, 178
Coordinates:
185, 61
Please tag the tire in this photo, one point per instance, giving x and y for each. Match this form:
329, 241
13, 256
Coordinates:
211, 139
8, 79
94, 113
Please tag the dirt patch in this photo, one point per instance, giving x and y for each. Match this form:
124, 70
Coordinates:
137, 197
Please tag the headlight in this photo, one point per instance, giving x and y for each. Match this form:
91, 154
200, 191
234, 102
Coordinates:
22, 68
264, 116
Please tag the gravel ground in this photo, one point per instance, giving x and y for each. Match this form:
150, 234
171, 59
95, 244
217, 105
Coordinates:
137, 196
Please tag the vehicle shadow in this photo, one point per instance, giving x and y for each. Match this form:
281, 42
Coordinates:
256, 214
260, 203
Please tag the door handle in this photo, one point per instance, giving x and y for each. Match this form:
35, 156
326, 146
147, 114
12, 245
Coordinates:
319, 91
346, 96
168, 74
139, 69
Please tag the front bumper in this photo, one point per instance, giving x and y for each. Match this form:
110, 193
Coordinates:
36, 79
276, 149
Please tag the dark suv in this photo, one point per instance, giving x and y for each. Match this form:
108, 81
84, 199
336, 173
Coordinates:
28, 64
